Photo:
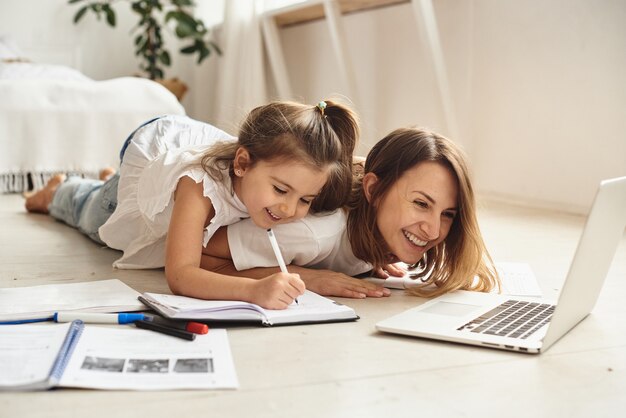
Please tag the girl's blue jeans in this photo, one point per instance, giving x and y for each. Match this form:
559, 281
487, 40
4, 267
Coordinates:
86, 204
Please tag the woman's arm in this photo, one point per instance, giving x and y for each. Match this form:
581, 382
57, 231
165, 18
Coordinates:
184, 255
322, 282
216, 257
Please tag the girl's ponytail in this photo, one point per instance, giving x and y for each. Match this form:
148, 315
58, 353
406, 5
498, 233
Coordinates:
345, 126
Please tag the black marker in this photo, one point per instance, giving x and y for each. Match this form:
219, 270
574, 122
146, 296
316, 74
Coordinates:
153, 326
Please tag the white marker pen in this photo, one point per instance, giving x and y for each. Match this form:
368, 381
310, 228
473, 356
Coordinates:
98, 318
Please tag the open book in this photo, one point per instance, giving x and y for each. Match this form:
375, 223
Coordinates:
311, 308
43, 356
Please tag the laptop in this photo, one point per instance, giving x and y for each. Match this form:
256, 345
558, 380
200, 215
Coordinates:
529, 325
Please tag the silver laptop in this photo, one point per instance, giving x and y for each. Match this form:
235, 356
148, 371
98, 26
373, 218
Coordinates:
528, 325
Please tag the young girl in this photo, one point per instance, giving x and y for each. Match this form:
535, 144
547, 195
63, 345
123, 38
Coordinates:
414, 203
181, 179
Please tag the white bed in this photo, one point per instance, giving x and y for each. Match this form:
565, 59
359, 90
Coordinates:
55, 119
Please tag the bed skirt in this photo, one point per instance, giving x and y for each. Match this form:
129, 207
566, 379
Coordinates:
33, 180
56, 126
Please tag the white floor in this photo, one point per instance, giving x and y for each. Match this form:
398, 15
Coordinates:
349, 369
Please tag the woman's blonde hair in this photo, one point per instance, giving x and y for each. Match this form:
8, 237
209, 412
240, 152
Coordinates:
461, 261
319, 136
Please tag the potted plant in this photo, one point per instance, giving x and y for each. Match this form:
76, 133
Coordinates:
149, 44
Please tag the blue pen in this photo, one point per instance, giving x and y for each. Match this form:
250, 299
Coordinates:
98, 318
26, 321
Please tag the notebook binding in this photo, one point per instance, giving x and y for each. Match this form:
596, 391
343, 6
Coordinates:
65, 353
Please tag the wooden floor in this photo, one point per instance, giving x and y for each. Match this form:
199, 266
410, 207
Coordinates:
350, 370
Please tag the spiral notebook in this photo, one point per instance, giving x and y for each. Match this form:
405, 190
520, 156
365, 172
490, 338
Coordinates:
45, 356
311, 308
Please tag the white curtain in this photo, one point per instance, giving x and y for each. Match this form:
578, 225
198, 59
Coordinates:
240, 83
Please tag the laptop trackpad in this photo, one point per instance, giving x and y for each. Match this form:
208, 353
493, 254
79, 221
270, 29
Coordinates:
450, 308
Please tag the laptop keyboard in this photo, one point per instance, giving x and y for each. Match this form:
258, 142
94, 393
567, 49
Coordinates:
513, 318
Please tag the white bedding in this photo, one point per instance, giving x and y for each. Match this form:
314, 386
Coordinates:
59, 122
23, 69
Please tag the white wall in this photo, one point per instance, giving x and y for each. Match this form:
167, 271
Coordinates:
539, 86
549, 98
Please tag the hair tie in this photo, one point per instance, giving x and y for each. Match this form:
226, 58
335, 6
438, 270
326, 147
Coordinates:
321, 106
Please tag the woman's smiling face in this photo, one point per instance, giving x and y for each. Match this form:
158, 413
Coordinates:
417, 212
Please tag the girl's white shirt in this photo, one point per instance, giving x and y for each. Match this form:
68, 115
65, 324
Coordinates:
158, 156
317, 241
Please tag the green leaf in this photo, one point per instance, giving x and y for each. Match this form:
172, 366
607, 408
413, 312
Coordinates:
183, 29
187, 19
182, 3
73, 1
204, 52
110, 15
80, 13
137, 8
189, 49
172, 14
165, 58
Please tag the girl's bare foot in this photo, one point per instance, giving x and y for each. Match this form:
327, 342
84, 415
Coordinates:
39, 201
106, 173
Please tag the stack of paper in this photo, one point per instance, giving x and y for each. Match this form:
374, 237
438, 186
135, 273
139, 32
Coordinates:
517, 279
20, 304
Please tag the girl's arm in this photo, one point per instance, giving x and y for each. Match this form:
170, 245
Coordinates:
216, 257
184, 254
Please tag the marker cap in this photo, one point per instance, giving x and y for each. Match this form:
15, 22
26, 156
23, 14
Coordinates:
127, 318
197, 328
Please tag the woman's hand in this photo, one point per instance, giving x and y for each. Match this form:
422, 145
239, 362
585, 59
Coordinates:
330, 283
396, 269
322, 282
277, 291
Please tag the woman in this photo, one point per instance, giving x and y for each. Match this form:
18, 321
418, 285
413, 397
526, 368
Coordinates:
413, 203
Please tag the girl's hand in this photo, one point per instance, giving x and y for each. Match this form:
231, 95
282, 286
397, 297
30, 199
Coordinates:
277, 291
330, 283
396, 269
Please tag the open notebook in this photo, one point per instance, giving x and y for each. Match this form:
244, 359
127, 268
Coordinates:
311, 308
45, 356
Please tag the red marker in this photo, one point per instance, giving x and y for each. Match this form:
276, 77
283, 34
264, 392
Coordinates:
195, 327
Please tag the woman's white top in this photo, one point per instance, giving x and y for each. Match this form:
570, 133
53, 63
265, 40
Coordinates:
316, 241
159, 154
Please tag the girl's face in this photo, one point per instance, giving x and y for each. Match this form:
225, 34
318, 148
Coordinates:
278, 192
416, 213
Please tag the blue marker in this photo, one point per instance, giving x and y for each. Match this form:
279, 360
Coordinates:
98, 318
